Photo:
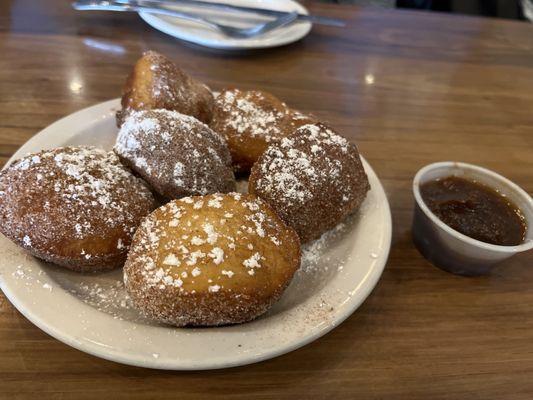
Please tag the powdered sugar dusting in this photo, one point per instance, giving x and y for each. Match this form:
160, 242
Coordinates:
247, 113
217, 254
288, 172
253, 261
313, 252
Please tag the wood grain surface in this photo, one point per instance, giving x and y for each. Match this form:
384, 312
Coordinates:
409, 88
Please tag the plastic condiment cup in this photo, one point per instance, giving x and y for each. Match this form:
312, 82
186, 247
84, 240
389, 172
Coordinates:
449, 249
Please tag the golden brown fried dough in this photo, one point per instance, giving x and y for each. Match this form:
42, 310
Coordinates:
156, 82
250, 120
74, 206
176, 154
210, 260
312, 179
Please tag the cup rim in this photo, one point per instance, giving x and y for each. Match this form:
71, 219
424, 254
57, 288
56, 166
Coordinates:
528, 243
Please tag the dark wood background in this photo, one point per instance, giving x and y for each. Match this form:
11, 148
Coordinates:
409, 88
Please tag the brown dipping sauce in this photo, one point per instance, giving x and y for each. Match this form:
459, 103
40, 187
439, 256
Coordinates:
475, 210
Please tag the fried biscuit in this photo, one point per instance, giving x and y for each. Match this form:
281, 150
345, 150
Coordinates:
73, 206
250, 121
156, 82
312, 179
175, 153
210, 260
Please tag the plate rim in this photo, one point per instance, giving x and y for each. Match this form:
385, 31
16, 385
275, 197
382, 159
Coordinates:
130, 359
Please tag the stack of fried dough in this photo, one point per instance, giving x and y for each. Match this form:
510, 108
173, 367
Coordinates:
163, 204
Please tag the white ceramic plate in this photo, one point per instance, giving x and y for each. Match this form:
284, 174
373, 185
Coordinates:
202, 35
92, 313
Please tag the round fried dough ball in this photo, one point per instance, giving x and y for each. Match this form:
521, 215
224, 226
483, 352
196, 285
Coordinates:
250, 120
210, 260
312, 179
176, 154
156, 82
73, 206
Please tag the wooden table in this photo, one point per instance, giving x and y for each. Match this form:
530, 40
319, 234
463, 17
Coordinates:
409, 88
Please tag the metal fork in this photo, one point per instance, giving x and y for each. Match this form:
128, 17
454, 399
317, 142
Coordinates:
228, 30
